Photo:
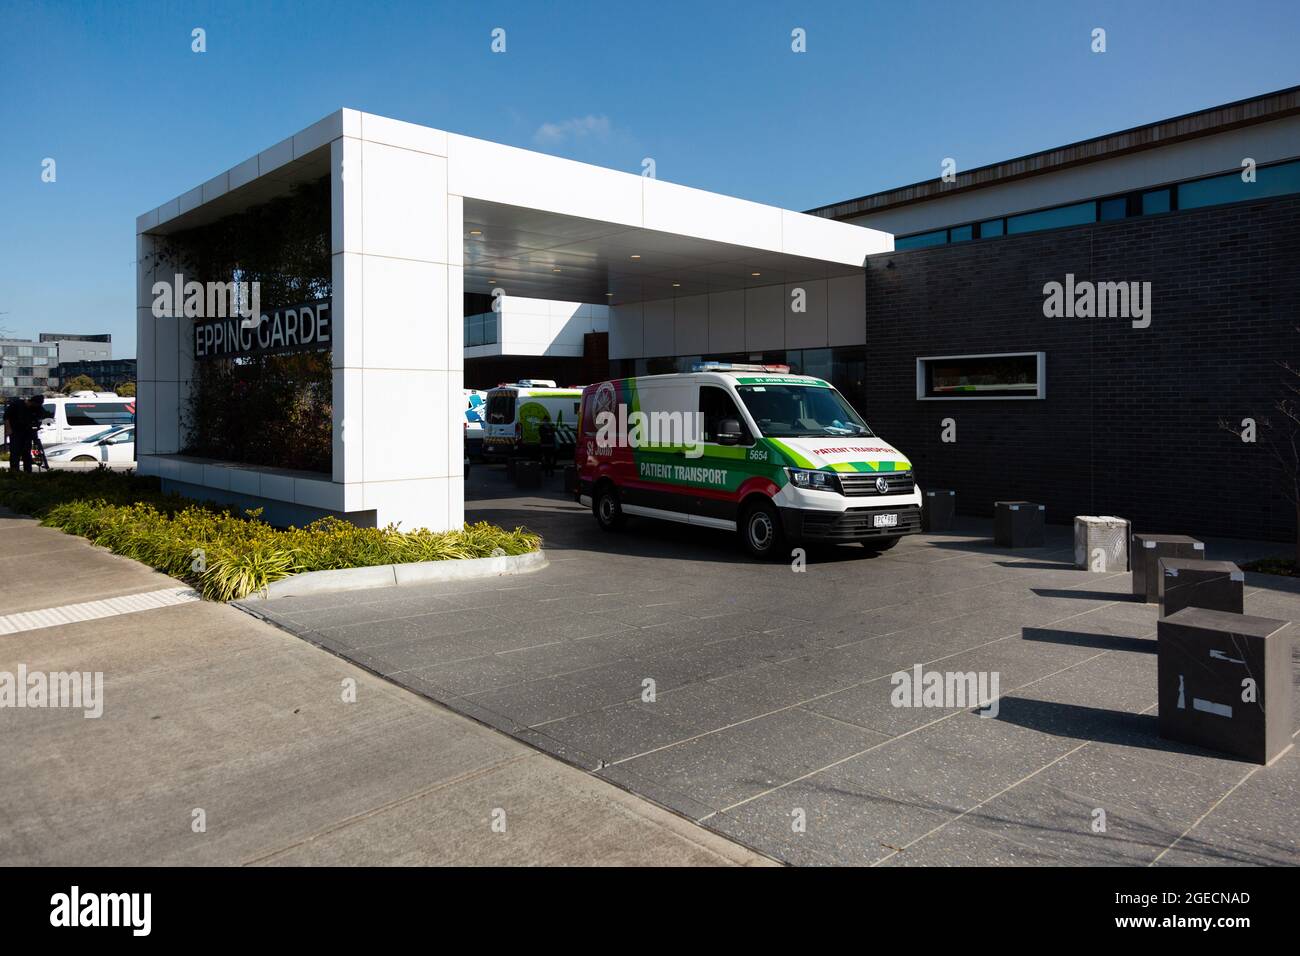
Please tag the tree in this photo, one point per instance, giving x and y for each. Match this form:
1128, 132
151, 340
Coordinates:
1280, 437
126, 389
79, 383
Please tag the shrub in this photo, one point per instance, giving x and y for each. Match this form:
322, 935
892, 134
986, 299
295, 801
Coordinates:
1283, 566
226, 555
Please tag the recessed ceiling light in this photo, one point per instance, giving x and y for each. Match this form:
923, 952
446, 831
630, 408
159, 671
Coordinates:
635, 257
756, 273
476, 232
677, 285
610, 294
555, 270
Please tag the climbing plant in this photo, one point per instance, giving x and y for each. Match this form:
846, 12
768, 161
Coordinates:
264, 409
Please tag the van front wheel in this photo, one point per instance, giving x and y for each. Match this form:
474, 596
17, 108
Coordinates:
761, 532
608, 511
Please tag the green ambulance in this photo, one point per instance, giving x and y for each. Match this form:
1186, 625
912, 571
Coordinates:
780, 459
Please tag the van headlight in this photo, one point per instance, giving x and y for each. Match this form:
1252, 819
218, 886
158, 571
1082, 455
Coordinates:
814, 480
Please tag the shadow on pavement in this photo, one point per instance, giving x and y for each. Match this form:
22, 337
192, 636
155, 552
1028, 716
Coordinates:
1103, 642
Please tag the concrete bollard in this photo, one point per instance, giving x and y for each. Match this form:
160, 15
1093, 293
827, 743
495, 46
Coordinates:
1146, 553
1216, 585
939, 507
528, 474
1018, 524
1224, 682
1100, 543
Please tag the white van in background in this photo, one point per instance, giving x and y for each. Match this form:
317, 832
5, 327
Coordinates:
514, 415
475, 403
78, 416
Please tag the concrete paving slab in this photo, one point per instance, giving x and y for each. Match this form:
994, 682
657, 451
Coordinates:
753, 662
207, 709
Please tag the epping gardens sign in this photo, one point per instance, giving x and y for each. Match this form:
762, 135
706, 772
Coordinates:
306, 327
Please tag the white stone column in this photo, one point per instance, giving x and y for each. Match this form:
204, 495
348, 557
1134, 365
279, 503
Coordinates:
397, 352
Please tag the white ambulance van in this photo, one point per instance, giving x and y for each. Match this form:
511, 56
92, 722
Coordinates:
781, 459
83, 414
514, 413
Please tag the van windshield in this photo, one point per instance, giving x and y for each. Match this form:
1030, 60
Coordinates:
801, 411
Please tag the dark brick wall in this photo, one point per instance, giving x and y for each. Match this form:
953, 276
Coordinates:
1130, 423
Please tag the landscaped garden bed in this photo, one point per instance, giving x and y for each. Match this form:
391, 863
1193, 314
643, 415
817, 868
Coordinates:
225, 554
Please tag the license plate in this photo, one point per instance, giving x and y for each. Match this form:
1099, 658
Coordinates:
885, 521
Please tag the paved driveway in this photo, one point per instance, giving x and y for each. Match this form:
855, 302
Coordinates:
757, 700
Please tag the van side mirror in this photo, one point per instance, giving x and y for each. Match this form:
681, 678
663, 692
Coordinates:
729, 432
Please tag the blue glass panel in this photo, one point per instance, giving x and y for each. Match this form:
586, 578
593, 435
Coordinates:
920, 242
1116, 208
1075, 215
1155, 201
1269, 181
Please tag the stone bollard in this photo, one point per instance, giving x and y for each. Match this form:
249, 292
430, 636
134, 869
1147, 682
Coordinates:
1100, 543
528, 474
1216, 585
1018, 524
1223, 682
940, 505
1147, 551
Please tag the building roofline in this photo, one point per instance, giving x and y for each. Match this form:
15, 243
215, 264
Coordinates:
1206, 122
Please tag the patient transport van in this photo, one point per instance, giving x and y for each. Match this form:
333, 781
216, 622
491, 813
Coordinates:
513, 415
779, 458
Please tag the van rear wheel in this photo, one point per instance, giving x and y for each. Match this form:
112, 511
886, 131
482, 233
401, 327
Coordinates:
761, 532
608, 510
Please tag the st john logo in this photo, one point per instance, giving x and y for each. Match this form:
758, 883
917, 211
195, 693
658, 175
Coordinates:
132, 910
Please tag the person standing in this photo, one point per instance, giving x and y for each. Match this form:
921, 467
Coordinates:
12, 411
21, 421
546, 441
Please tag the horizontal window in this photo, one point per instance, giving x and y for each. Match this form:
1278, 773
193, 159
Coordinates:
1157, 200
957, 377
1076, 215
1280, 179
923, 240
98, 413
481, 329
1114, 208
1269, 181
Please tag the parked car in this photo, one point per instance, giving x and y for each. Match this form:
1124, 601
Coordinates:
111, 446
779, 458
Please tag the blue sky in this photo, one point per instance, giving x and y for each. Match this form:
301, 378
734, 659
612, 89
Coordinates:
711, 91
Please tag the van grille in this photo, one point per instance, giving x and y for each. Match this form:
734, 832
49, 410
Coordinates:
863, 484
858, 523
